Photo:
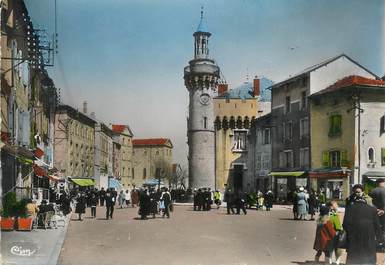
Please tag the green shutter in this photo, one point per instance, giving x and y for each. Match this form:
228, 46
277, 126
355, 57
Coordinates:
325, 159
331, 127
344, 158
383, 156
338, 120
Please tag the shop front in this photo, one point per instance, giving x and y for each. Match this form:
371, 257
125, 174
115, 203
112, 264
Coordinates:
285, 183
334, 183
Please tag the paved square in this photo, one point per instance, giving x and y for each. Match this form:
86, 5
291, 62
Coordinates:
189, 238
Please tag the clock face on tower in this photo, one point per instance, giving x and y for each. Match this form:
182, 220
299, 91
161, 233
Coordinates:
205, 99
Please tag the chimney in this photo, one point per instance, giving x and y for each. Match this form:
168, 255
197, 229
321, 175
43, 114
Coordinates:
85, 107
222, 89
93, 116
256, 87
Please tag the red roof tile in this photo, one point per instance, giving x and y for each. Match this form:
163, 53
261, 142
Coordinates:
118, 128
151, 141
353, 80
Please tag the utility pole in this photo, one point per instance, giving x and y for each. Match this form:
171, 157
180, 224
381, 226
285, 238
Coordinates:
356, 97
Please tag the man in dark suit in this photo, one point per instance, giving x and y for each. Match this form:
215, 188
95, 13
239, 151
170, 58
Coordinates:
109, 204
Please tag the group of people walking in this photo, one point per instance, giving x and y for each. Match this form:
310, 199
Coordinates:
153, 202
361, 232
204, 199
305, 203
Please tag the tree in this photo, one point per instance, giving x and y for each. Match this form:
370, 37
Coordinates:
178, 178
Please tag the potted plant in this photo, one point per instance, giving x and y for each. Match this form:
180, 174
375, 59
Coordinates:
8, 212
24, 223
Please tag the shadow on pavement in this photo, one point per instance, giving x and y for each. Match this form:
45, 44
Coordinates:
310, 262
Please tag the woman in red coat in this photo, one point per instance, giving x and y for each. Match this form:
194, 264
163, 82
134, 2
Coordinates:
325, 234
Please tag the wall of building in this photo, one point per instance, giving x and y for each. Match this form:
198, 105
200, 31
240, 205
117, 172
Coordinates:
150, 158
334, 71
127, 160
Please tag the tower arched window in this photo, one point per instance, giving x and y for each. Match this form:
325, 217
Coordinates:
205, 122
144, 173
371, 155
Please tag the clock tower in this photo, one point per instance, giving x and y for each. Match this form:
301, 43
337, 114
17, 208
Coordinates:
201, 79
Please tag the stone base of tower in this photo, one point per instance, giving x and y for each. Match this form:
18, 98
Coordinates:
202, 159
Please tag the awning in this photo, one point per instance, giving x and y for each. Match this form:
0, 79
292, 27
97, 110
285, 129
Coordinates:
114, 183
287, 174
374, 174
84, 182
329, 173
152, 182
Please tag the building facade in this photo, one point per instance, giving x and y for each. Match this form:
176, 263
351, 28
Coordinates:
259, 155
152, 160
347, 146
125, 135
201, 77
235, 111
103, 155
74, 143
291, 114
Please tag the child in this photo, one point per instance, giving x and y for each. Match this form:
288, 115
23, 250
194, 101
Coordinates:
324, 237
335, 220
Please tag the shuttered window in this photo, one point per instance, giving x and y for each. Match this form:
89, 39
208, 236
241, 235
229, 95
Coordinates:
335, 125
383, 156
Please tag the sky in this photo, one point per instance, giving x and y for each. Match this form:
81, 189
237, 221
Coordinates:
126, 57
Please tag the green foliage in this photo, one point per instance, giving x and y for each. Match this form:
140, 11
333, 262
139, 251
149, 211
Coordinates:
9, 203
20, 208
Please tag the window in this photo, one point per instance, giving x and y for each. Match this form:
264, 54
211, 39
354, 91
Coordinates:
266, 136
157, 153
382, 125
303, 100
304, 127
266, 162
239, 140
205, 122
144, 173
335, 159
289, 130
286, 159
133, 173
157, 172
304, 157
287, 105
335, 125
258, 161
283, 132
370, 155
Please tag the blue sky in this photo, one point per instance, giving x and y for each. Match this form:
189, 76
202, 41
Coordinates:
126, 57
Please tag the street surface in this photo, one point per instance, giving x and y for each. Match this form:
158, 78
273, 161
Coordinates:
189, 238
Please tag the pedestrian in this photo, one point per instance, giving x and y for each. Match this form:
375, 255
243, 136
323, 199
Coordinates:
121, 199
114, 194
378, 198
80, 205
295, 204
102, 196
65, 204
134, 197
363, 229
195, 194
110, 202
153, 203
217, 199
325, 233
260, 200
240, 201
201, 199
127, 197
93, 203
335, 220
269, 199
229, 199
167, 200
301, 204
322, 198
312, 202
144, 204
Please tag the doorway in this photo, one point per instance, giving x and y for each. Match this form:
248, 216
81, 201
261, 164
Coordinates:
238, 177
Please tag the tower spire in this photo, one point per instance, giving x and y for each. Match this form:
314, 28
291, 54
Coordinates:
201, 12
